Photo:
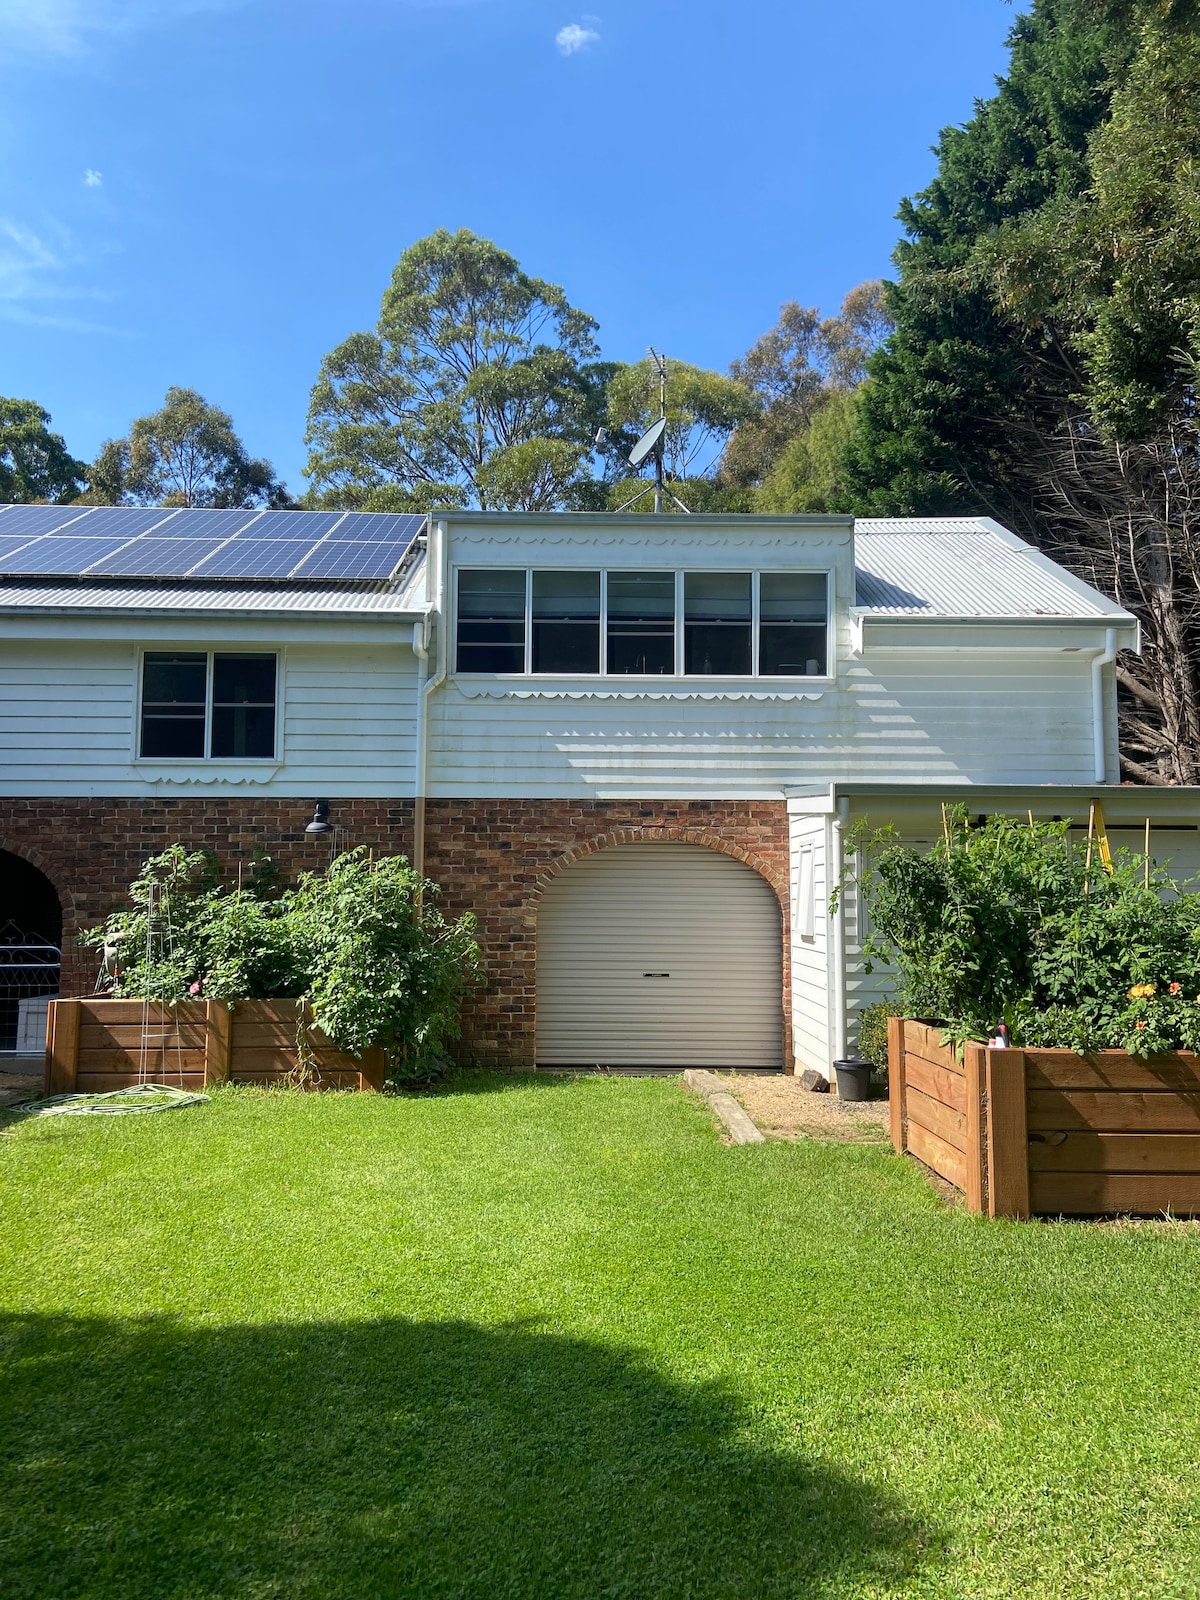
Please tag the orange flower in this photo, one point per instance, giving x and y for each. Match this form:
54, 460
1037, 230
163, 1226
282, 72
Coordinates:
1140, 1026
1175, 988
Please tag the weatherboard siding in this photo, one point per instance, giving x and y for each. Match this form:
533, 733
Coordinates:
970, 717
68, 720
810, 954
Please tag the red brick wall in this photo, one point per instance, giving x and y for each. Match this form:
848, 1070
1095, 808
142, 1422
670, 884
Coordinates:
491, 857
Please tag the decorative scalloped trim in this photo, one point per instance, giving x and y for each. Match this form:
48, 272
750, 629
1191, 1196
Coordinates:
586, 539
634, 694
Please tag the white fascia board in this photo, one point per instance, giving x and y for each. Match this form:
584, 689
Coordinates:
861, 619
271, 628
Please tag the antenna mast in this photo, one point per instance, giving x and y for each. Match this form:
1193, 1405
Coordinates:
653, 443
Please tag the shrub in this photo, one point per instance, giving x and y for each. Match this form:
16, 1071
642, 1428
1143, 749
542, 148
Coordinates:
1016, 921
363, 942
873, 1033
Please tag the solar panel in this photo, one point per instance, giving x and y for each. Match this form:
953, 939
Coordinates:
306, 525
255, 558
152, 557
202, 523
353, 558
32, 521
124, 522
378, 526
61, 556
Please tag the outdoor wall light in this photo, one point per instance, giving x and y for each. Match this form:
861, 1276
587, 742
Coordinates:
320, 821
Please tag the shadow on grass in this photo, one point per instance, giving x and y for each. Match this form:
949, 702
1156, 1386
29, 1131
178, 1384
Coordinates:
370, 1460
484, 1080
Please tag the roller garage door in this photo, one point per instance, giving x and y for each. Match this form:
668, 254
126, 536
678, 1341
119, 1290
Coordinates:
659, 955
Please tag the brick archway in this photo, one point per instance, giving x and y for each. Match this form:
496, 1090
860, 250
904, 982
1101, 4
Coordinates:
36, 859
660, 835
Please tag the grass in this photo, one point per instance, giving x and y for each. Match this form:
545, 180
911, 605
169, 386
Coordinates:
542, 1338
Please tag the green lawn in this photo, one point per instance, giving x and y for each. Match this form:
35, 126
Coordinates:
548, 1338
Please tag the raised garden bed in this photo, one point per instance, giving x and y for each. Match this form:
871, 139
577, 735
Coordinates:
97, 1045
1048, 1132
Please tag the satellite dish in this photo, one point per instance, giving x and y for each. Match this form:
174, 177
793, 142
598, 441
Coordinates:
647, 444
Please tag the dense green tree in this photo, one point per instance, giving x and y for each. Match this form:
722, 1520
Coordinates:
35, 463
807, 474
185, 454
479, 386
1048, 337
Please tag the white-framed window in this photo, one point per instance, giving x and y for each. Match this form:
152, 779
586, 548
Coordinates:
619, 623
208, 705
804, 909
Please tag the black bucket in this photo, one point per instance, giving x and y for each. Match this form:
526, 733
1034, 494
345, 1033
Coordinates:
853, 1079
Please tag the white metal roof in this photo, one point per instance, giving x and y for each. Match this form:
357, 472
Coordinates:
964, 567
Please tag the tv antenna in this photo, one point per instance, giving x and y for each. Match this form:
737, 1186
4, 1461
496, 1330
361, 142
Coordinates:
652, 446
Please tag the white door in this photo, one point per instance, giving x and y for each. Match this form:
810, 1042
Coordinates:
659, 955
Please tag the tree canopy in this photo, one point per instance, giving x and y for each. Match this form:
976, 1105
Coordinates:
35, 463
185, 454
480, 386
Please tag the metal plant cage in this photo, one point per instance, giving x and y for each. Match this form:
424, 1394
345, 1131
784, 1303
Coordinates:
29, 977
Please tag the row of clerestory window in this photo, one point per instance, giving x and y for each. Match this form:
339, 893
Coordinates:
658, 624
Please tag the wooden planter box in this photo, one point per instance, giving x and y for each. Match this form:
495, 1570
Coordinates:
96, 1045
1049, 1132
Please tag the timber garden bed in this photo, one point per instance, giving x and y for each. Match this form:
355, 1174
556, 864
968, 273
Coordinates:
93, 1046
1048, 1132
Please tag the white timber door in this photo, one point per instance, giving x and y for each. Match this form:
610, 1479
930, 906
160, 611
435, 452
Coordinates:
659, 955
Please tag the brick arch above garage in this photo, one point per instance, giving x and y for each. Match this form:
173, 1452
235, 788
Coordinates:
495, 857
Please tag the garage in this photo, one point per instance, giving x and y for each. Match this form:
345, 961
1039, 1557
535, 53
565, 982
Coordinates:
659, 955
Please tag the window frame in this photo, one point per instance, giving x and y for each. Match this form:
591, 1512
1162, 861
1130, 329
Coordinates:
756, 574
209, 652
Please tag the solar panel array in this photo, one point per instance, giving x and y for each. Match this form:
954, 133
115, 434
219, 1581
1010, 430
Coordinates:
250, 546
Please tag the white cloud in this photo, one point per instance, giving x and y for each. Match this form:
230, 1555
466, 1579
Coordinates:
574, 37
93, 179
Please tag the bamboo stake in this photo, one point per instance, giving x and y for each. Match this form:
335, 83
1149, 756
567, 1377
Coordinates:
946, 828
1087, 882
1147, 852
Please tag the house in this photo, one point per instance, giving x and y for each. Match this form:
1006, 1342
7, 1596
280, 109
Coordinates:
630, 745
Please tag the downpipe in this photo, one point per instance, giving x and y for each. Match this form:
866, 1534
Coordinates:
837, 932
1103, 658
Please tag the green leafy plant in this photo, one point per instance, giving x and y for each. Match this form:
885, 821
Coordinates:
873, 1034
364, 942
1014, 920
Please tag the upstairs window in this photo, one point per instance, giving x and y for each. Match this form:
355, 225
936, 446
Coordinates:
197, 704
566, 622
491, 621
718, 624
792, 624
641, 623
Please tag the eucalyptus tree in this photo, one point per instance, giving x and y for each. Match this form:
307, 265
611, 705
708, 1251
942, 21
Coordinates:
185, 454
35, 464
480, 386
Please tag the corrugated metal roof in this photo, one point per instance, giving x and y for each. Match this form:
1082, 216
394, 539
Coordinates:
964, 567
163, 598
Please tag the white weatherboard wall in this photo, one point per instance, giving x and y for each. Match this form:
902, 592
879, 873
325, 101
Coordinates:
943, 702
68, 715
810, 942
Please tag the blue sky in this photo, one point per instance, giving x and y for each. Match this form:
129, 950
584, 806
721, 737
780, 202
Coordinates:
213, 192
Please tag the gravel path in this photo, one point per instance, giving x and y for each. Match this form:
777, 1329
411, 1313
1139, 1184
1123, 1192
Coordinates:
783, 1110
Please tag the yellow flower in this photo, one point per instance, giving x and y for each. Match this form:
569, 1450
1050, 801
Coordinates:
1142, 991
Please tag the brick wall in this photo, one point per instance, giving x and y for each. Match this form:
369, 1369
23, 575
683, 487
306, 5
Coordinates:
491, 857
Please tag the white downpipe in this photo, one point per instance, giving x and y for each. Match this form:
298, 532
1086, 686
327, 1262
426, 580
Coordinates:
837, 934
426, 685
1103, 658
